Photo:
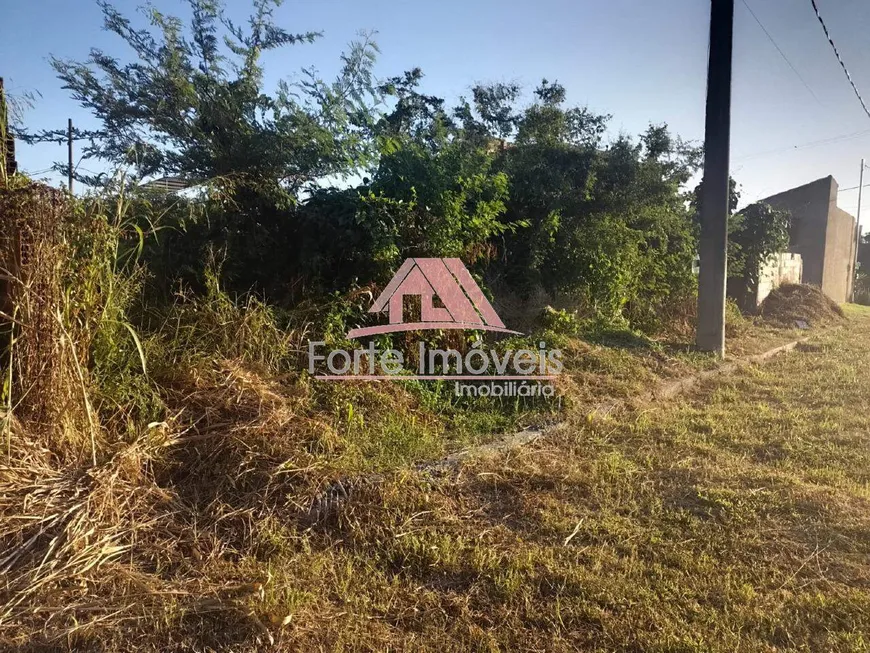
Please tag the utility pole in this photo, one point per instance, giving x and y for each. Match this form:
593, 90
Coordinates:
69, 145
713, 247
857, 232
8, 165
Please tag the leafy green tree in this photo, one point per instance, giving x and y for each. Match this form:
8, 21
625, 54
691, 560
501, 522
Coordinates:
757, 233
420, 203
414, 117
864, 253
434, 192
733, 198
550, 173
735, 265
547, 122
607, 223
641, 182
192, 101
531, 193
862, 274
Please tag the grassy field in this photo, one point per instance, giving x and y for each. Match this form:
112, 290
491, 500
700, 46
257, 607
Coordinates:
734, 519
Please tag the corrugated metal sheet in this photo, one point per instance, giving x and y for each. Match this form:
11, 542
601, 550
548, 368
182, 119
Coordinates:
167, 185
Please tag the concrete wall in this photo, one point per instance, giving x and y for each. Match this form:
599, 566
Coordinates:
782, 268
822, 234
838, 276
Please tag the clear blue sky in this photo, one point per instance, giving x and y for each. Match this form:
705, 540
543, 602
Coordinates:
640, 61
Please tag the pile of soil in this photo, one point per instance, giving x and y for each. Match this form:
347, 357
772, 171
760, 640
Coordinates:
792, 302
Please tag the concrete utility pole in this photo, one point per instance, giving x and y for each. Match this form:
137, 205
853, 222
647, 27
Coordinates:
857, 231
713, 248
69, 146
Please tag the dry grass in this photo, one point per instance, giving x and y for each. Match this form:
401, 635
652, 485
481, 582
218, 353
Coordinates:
263, 509
800, 302
733, 520
710, 524
46, 368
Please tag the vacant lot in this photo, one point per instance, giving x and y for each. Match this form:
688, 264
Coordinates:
735, 519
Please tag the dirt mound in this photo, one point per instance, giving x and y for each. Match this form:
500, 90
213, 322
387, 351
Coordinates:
791, 303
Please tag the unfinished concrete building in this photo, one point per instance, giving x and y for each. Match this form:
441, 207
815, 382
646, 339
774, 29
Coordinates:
823, 234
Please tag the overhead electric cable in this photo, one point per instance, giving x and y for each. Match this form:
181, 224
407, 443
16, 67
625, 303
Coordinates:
781, 53
839, 58
843, 190
800, 146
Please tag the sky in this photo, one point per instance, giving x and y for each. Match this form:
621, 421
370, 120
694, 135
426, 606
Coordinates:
642, 62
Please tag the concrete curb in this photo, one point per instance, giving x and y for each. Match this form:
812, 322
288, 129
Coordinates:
670, 389
665, 390
335, 497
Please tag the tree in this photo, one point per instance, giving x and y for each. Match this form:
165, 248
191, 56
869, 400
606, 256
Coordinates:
864, 253
608, 223
434, 192
530, 194
757, 233
192, 102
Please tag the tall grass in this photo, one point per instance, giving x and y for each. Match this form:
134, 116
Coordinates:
158, 456
43, 385
214, 324
74, 278
862, 289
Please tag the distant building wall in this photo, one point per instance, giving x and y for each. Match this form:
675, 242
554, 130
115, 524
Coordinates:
782, 268
822, 234
839, 260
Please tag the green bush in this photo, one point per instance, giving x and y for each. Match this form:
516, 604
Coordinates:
529, 195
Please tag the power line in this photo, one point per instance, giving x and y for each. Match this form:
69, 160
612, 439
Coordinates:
866, 167
843, 190
800, 146
839, 58
781, 53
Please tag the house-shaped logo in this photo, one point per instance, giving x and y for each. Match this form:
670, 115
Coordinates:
463, 304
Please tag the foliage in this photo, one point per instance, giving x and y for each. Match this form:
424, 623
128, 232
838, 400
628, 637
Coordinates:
104, 277
733, 197
12, 109
862, 288
531, 194
756, 233
862, 274
76, 361
607, 224
560, 321
433, 193
442, 203
733, 201
193, 103
196, 327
